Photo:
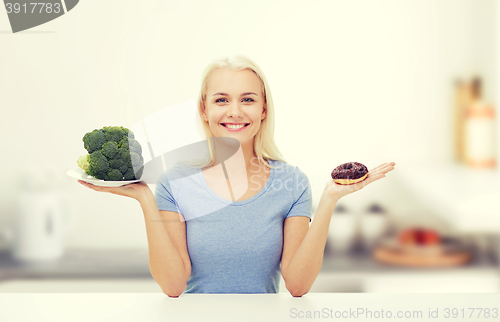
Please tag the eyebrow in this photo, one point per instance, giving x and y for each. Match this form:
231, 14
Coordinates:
224, 94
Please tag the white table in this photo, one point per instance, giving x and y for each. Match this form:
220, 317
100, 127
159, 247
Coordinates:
151, 307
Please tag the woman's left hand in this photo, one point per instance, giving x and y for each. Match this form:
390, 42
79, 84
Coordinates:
336, 191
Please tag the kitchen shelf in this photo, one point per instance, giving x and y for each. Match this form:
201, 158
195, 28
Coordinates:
466, 198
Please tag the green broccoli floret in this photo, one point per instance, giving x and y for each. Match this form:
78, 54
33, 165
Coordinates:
114, 175
136, 159
109, 149
130, 173
113, 154
129, 133
116, 163
114, 133
131, 143
124, 156
98, 165
94, 140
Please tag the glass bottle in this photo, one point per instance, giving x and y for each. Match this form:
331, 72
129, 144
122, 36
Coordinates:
480, 130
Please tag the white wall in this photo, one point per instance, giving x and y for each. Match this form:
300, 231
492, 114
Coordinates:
366, 81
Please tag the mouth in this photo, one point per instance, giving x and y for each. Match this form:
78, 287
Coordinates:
235, 126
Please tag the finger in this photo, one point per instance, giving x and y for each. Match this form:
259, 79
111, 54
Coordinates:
83, 183
377, 168
382, 166
387, 169
382, 169
372, 179
366, 182
376, 177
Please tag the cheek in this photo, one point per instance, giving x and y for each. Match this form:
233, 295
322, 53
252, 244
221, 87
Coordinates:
213, 121
214, 118
211, 115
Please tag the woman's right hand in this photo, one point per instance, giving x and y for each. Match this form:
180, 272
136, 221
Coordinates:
135, 190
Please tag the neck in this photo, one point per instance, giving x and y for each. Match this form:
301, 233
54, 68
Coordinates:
249, 156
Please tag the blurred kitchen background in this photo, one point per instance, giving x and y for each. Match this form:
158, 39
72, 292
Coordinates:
414, 82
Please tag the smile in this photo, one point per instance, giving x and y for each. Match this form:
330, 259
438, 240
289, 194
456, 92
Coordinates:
235, 127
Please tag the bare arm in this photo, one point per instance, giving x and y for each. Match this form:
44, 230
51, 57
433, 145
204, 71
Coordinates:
169, 261
303, 249
304, 246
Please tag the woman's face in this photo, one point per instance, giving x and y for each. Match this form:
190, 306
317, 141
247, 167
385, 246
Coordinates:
233, 99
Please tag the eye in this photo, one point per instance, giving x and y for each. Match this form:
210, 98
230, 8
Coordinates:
246, 99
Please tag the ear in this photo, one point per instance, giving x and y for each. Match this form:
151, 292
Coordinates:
203, 112
264, 113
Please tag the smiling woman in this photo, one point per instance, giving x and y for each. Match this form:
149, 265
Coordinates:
237, 222
241, 244
234, 242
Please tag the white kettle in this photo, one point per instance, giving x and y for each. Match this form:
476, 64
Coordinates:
39, 226
342, 230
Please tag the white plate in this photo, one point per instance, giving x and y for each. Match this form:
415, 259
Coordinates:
79, 174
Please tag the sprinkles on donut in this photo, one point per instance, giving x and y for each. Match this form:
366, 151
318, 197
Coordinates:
349, 173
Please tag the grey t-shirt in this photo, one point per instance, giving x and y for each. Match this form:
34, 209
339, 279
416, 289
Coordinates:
234, 246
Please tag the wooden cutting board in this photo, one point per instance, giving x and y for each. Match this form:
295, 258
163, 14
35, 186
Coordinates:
422, 256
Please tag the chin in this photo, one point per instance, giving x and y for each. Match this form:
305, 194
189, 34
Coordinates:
241, 140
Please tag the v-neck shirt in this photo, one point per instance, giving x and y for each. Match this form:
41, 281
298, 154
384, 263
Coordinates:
235, 246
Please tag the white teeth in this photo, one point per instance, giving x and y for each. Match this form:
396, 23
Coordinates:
235, 126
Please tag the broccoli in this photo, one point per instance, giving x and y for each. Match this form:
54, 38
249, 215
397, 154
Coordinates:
83, 162
113, 154
94, 140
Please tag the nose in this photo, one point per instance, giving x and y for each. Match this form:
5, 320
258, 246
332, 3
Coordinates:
234, 110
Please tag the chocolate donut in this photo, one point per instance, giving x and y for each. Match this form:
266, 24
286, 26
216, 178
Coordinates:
349, 173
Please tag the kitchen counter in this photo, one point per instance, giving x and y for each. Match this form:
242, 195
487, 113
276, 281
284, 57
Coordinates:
79, 263
127, 271
120, 264
126, 307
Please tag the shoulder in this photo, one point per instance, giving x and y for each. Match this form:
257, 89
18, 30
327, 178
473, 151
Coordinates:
294, 179
286, 169
177, 171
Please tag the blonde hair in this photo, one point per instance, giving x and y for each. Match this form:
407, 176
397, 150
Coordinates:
264, 146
